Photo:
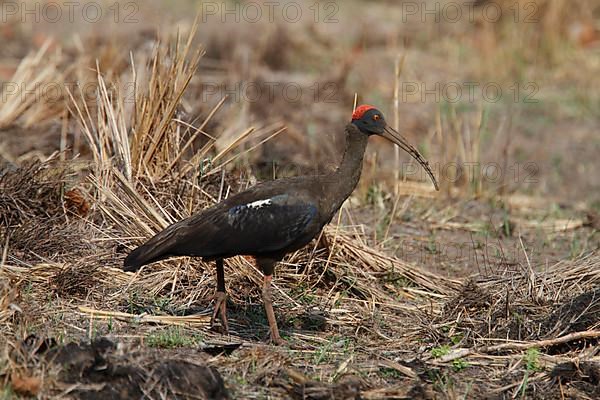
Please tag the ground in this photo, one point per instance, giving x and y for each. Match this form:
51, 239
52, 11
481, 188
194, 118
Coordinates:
111, 129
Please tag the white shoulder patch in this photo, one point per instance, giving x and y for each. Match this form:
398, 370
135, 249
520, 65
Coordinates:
259, 203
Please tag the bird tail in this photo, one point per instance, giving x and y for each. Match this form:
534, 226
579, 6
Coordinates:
141, 256
157, 248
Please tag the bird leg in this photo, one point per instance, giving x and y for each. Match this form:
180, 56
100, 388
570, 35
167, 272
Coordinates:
220, 298
220, 309
268, 302
268, 266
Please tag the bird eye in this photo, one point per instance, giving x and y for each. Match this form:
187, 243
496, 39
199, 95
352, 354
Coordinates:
376, 117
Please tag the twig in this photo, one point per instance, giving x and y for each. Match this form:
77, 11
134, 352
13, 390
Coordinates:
399, 367
187, 320
460, 353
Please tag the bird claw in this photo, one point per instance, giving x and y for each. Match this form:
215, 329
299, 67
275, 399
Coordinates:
278, 341
220, 308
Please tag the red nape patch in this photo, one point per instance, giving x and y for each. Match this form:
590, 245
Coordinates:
360, 111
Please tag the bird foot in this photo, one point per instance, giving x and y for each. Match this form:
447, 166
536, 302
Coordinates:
220, 309
278, 341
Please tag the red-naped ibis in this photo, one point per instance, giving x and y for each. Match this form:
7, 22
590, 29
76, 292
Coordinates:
273, 218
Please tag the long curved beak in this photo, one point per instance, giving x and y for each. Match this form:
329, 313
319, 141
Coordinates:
396, 138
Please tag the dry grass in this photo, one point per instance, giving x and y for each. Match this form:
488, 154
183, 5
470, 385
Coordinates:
360, 321
25, 105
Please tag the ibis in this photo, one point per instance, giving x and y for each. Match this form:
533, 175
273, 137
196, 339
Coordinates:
271, 219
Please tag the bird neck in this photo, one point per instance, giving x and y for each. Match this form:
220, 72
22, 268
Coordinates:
346, 176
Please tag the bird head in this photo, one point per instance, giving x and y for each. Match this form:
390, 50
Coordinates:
370, 121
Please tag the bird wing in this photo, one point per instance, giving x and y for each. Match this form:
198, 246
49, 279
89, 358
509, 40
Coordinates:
241, 225
253, 227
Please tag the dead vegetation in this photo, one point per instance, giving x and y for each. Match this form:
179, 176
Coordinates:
361, 322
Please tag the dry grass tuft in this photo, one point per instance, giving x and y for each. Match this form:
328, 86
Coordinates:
33, 190
24, 101
38, 219
523, 306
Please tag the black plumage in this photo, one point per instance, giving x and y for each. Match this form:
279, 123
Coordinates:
270, 219
262, 222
